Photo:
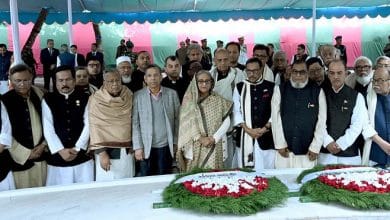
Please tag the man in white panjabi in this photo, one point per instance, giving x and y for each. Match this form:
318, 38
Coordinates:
29, 149
252, 113
6, 178
226, 79
347, 114
298, 120
66, 129
262, 53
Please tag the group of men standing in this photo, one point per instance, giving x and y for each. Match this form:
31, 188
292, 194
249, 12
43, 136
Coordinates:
311, 112
314, 119
51, 58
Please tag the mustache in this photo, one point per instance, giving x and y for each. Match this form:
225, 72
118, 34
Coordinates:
65, 87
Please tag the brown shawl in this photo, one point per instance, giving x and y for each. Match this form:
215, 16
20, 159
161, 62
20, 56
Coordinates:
110, 119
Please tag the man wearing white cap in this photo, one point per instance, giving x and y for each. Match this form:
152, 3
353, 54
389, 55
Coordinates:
125, 69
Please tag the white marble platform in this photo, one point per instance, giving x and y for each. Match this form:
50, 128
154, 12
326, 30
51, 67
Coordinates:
134, 198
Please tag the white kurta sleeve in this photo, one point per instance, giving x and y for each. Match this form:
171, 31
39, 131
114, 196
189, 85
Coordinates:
6, 130
327, 139
222, 130
318, 139
368, 127
277, 126
237, 113
359, 116
58, 61
49, 132
368, 131
82, 142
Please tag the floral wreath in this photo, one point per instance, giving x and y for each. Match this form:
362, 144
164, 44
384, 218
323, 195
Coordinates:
225, 194
354, 186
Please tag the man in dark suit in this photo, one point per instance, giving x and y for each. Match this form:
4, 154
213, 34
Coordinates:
343, 50
95, 54
49, 61
80, 59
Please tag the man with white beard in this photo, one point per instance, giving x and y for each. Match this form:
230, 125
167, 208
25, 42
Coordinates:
359, 81
298, 120
362, 76
124, 67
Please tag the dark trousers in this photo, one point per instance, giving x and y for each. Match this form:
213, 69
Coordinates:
47, 75
158, 163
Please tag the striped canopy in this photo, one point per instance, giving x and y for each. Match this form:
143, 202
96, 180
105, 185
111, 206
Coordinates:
152, 11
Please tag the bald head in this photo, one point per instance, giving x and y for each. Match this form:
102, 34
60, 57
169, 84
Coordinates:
221, 60
328, 53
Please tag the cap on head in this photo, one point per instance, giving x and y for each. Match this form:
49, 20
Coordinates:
122, 59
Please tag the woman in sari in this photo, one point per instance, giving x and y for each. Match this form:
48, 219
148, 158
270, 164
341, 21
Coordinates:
204, 121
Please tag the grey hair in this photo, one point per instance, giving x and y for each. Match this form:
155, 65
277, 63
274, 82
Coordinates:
386, 58
221, 50
362, 58
194, 47
322, 48
110, 71
279, 53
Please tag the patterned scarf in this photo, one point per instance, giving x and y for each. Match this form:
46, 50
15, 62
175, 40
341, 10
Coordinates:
247, 151
199, 118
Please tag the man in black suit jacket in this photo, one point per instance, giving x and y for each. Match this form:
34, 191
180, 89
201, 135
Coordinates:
80, 59
49, 61
95, 54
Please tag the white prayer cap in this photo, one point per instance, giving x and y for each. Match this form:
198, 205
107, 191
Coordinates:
122, 59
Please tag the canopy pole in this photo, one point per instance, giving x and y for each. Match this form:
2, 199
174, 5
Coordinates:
313, 34
70, 22
13, 6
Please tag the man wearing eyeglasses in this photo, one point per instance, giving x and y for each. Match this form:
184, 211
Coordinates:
252, 113
382, 61
360, 81
298, 120
94, 68
362, 76
347, 114
29, 148
317, 72
262, 53
110, 128
377, 147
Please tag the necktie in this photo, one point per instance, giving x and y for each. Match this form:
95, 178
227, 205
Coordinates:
51, 51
